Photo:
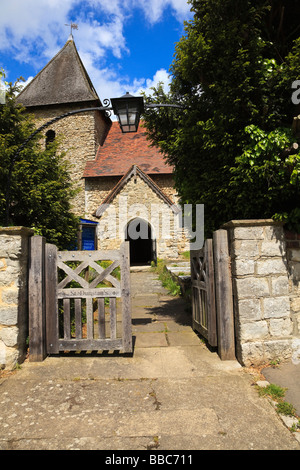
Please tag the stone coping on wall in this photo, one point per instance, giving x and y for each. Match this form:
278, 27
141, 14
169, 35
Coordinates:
251, 223
18, 230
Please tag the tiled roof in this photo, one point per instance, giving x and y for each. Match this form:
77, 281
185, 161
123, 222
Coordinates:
121, 151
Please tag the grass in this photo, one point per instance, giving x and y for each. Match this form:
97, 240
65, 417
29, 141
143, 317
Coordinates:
286, 408
166, 279
185, 254
277, 394
273, 391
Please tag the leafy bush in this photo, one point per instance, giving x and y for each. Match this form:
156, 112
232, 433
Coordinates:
35, 186
232, 73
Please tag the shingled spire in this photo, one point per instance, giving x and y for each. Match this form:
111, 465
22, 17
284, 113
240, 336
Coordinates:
63, 80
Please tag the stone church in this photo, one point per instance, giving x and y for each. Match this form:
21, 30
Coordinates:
126, 187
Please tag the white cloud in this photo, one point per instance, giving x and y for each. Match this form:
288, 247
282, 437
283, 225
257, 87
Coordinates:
105, 80
22, 23
161, 76
97, 39
154, 9
109, 84
33, 31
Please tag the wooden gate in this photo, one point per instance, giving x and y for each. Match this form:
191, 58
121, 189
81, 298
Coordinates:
203, 292
212, 296
78, 300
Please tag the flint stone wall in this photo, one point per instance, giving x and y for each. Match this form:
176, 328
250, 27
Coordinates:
265, 274
14, 248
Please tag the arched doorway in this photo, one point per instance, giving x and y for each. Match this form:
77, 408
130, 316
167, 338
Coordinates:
141, 241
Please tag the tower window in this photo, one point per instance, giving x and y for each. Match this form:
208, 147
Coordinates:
50, 137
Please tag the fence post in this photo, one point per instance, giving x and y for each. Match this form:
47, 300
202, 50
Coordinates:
211, 296
224, 299
125, 293
36, 300
52, 327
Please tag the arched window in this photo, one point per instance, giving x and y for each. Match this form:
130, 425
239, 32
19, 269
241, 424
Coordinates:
50, 137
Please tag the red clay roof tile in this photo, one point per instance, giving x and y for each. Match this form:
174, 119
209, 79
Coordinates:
121, 151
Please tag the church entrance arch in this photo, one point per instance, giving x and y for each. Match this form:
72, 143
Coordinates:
142, 242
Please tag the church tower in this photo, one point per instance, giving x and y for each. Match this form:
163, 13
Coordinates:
63, 85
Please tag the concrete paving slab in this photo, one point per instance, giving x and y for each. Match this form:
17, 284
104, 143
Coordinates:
173, 326
182, 338
146, 325
150, 340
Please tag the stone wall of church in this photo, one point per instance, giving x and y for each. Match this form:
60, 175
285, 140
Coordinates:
96, 190
137, 199
81, 135
166, 183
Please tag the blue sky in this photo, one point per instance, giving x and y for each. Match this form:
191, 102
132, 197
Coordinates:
125, 45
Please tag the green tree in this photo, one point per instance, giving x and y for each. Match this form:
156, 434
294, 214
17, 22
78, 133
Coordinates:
35, 188
233, 71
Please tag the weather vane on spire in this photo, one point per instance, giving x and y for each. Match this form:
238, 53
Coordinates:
72, 26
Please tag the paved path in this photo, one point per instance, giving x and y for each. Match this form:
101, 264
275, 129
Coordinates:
172, 394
